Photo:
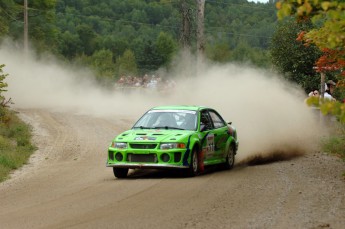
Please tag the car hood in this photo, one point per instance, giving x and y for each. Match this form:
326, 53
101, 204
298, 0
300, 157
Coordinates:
156, 135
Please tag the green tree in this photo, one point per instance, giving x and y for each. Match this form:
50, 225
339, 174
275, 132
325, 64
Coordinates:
102, 63
328, 35
298, 67
43, 32
69, 44
219, 52
8, 12
72, 28
147, 57
41, 18
166, 47
127, 64
87, 37
117, 45
241, 53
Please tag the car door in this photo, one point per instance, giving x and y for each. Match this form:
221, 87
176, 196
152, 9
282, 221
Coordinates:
220, 133
207, 136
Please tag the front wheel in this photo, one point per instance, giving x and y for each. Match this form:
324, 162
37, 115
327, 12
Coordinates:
230, 158
120, 172
194, 164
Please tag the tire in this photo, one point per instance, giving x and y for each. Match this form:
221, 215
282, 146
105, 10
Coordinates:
230, 158
120, 172
194, 164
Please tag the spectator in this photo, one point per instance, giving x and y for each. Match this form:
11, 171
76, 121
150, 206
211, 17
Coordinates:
329, 90
314, 93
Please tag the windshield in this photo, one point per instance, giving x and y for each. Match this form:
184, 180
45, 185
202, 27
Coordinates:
168, 119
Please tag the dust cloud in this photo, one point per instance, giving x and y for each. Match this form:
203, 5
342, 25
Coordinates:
269, 113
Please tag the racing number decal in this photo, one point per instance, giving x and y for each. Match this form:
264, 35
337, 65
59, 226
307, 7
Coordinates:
209, 148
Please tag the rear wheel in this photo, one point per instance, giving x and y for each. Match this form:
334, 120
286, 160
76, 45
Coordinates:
194, 164
120, 172
230, 158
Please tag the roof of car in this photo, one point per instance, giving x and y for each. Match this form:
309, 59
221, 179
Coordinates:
179, 107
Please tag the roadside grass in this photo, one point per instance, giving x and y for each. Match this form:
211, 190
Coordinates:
335, 143
15, 142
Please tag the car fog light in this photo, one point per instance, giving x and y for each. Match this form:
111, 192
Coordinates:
165, 157
119, 156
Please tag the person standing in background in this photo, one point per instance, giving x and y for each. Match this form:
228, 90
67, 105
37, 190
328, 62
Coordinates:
330, 90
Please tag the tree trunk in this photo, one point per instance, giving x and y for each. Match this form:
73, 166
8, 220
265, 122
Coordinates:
186, 25
200, 28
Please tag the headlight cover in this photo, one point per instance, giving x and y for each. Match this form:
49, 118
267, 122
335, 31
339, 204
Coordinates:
167, 146
119, 145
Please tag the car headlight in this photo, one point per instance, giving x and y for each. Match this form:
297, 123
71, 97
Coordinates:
119, 145
165, 146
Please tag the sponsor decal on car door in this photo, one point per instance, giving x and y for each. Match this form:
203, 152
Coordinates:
209, 146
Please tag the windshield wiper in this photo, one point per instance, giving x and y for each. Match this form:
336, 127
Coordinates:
143, 127
168, 127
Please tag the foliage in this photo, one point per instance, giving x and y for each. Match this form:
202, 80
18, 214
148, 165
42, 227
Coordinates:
4, 118
245, 22
330, 14
244, 53
328, 107
166, 47
80, 30
328, 35
8, 13
126, 63
102, 63
3, 84
15, 143
298, 67
87, 38
335, 143
15, 146
41, 17
219, 52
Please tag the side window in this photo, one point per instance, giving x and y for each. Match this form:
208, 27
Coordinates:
205, 120
218, 122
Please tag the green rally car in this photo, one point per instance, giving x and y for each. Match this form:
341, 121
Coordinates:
175, 137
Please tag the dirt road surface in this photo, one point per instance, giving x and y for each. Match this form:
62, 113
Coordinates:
66, 185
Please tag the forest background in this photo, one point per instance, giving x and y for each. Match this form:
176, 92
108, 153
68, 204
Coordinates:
116, 37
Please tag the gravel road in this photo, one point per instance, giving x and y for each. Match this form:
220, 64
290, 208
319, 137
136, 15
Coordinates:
66, 185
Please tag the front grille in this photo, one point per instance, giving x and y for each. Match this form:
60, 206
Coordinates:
142, 158
143, 146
